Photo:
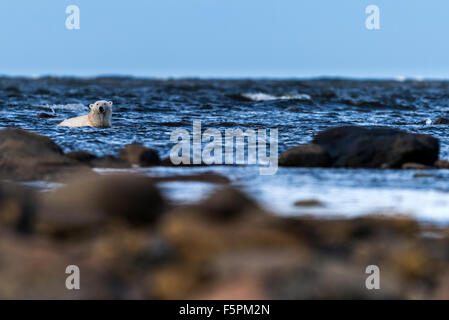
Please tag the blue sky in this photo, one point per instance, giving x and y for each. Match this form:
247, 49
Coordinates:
225, 38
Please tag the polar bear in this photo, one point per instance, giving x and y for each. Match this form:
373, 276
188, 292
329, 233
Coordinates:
98, 117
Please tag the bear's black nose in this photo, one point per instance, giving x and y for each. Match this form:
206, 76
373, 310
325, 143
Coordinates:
101, 109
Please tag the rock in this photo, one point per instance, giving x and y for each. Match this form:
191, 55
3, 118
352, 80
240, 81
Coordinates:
81, 156
239, 97
26, 155
376, 147
207, 177
90, 201
109, 161
308, 155
227, 204
441, 164
137, 154
441, 121
309, 203
218, 238
46, 115
167, 163
414, 166
17, 207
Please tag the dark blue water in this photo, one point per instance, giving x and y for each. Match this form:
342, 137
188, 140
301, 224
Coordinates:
147, 111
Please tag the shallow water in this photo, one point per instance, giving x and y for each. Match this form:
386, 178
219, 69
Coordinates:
147, 111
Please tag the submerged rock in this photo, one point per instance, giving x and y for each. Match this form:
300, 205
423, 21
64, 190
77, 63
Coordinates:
308, 155
309, 203
441, 164
414, 166
46, 115
137, 154
376, 147
441, 121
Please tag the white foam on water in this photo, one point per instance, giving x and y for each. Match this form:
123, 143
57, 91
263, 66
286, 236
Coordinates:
259, 96
70, 106
425, 205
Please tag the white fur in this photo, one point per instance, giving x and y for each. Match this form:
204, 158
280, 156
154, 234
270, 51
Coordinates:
95, 118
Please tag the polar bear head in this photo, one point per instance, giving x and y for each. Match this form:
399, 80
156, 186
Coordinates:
100, 113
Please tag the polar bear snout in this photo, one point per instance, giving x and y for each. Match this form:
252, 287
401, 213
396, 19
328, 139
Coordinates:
101, 109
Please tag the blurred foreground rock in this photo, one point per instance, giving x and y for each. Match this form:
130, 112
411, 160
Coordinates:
25, 155
130, 243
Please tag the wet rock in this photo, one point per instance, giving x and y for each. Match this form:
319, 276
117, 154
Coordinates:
414, 166
26, 155
137, 154
168, 163
309, 203
239, 97
44, 115
208, 177
441, 121
308, 155
81, 156
374, 147
109, 161
293, 109
441, 164
89, 202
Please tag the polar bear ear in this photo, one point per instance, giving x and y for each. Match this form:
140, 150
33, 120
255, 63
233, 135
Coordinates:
110, 103
91, 106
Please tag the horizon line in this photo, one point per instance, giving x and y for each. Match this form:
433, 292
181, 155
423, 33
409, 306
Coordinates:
399, 78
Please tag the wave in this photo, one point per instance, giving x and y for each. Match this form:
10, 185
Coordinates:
70, 106
260, 96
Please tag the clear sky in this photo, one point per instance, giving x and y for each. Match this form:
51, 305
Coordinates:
225, 38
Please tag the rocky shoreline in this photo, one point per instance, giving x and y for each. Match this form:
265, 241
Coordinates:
129, 241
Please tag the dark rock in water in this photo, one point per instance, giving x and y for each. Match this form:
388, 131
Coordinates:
26, 155
90, 201
208, 177
109, 161
441, 164
309, 203
46, 115
441, 121
376, 147
168, 163
42, 91
308, 155
293, 109
239, 97
135, 153
414, 166
81, 156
